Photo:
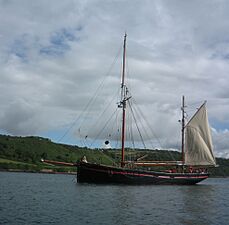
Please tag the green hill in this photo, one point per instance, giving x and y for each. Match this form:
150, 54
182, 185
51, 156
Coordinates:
25, 153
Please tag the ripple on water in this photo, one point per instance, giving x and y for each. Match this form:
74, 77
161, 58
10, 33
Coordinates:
56, 199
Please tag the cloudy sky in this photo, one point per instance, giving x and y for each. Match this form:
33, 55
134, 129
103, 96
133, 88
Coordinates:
55, 54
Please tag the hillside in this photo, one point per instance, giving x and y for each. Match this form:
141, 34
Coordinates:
25, 153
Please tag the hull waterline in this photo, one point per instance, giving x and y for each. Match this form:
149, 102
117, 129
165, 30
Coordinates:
95, 173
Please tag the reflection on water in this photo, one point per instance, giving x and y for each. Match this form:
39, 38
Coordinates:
56, 199
198, 204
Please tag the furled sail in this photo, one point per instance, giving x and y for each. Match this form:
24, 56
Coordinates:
198, 141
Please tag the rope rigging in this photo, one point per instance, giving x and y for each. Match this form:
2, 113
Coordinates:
136, 121
92, 99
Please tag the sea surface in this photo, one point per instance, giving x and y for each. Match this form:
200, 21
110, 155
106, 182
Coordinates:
27, 198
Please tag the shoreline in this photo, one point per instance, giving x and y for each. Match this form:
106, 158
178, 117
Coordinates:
64, 173
31, 171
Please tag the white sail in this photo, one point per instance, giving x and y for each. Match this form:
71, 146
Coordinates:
198, 141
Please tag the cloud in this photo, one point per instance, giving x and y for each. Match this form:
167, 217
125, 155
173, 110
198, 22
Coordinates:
55, 54
220, 140
18, 118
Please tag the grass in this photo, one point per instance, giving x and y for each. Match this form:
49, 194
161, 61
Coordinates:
25, 153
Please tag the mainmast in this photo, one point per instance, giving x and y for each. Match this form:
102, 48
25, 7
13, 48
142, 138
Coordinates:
123, 101
182, 130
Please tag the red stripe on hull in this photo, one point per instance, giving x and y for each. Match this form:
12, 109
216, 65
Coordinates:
93, 173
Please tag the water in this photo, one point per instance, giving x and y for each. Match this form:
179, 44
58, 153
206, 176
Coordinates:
57, 199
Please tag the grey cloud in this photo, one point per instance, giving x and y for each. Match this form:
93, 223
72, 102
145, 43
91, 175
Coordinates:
18, 118
53, 56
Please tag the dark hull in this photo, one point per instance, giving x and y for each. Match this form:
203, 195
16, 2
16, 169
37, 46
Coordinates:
94, 173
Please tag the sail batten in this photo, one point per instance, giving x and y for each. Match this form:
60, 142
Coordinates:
198, 141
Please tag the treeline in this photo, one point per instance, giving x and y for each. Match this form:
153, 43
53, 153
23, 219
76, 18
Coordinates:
25, 153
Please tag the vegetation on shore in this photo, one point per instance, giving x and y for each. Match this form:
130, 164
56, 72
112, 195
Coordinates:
25, 153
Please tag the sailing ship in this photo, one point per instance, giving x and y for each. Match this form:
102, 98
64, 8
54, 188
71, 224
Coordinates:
197, 153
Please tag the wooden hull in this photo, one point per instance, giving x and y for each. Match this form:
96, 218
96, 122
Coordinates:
95, 173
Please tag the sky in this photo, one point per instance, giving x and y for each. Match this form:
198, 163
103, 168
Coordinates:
55, 56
